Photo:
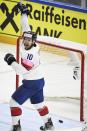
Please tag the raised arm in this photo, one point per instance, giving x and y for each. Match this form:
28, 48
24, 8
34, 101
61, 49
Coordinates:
24, 17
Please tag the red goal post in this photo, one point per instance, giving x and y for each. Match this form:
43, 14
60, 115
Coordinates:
51, 47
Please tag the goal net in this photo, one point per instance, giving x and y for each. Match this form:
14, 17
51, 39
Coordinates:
58, 71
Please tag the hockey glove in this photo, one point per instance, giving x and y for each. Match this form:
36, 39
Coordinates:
23, 9
76, 73
9, 58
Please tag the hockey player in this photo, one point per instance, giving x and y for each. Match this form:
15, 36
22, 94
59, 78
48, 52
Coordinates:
33, 80
84, 127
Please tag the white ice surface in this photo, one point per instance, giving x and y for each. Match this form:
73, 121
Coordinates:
68, 110
31, 121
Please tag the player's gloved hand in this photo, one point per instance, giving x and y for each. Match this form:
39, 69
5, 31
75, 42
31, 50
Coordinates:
23, 9
76, 73
9, 58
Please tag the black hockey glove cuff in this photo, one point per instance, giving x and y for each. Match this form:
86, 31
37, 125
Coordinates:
9, 58
23, 9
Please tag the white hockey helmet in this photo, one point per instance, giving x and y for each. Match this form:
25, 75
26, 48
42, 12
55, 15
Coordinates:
30, 34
